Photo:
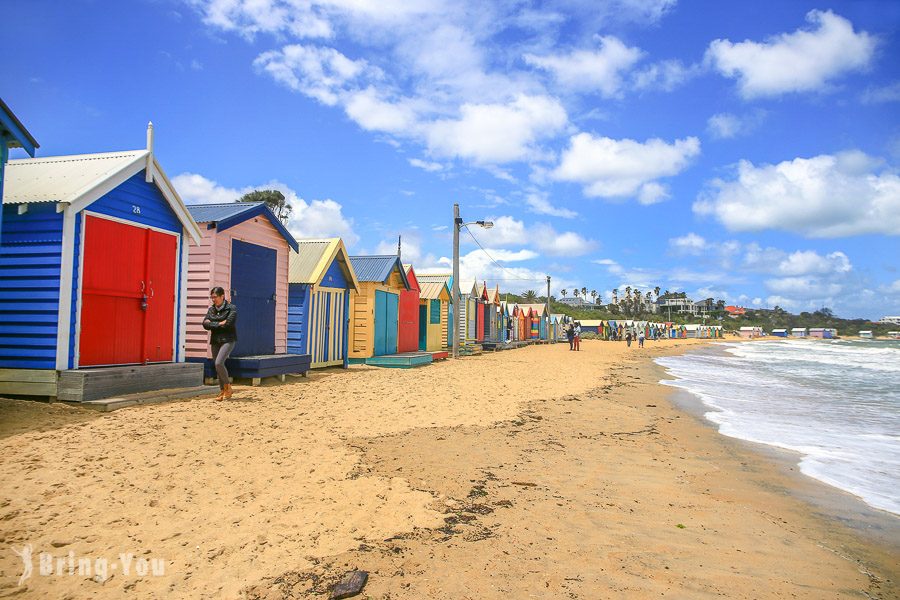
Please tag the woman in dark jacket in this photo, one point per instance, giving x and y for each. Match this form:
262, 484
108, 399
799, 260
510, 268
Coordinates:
220, 320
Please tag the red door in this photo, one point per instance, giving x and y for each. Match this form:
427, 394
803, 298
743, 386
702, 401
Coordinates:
408, 335
128, 289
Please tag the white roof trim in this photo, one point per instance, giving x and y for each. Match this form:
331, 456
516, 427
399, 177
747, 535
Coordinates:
131, 163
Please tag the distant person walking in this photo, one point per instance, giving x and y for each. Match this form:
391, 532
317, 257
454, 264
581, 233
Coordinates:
577, 336
220, 321
641, 339
628, 338
570, 335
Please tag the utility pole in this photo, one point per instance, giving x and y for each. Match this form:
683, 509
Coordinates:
548, 306
457, 221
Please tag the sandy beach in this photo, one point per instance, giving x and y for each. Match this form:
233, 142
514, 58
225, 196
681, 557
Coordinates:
536, 473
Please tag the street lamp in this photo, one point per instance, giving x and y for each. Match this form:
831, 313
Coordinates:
457, 225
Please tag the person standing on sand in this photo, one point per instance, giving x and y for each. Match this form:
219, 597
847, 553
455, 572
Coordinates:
570, 335
220, 321
628, 338
641, 339
577, 336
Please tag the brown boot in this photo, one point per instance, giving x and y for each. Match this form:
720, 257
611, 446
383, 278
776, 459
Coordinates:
228, 392
221, 395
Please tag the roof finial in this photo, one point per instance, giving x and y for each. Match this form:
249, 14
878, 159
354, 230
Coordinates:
399, 239
148, 172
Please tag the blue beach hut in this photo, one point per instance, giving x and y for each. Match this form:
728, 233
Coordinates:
12, 135
93, 266
320, 280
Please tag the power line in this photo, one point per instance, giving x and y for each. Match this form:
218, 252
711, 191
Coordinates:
486, 253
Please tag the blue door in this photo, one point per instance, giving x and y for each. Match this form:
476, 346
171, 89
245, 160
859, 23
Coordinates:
253, 293
386, 322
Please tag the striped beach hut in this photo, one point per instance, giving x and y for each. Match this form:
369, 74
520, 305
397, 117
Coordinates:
375, 307
799, 332
434, 313
244, 250
539, 320
492, 311
93, 268
320, 282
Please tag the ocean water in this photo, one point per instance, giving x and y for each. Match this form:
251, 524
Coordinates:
836, 403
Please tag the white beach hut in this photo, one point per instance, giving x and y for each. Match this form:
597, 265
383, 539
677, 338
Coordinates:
799, 332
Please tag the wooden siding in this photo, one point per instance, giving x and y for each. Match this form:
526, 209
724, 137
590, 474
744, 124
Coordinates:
210, 265
435, 333
298, 299
30, 258
362, 314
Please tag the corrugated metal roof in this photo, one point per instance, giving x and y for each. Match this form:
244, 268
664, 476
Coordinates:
62, 178
310, 263
207, 213
431, 290
377, 268
538, 308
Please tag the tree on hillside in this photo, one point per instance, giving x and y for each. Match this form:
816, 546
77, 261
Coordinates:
563, 292
615, 294
628, 292
594, 296
584, 293
575, 292
274, 199
656, 292
530, 296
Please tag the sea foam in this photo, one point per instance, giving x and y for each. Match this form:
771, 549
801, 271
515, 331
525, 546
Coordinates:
836, 403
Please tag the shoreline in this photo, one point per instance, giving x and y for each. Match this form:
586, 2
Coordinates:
832, 502
535, 472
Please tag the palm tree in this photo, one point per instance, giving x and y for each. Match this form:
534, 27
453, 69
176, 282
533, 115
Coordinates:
615, 294
575, 292
656, 292
594, 296
584, 293
563, 292
628, 292
530, 295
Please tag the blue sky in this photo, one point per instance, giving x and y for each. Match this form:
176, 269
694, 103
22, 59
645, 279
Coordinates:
742, 150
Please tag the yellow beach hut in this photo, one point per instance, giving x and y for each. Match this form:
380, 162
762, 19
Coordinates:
434, 312
374, 308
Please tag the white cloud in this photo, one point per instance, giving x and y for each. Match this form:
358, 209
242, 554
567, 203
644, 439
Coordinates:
689, 244
539, 204
808, 262
320, 73
314, 219
197, 189
567, 243
497, 133
882, 94
802, 61
507, 231
727, 125
611, 265
804, 287
664, 75
624, 168
476, 265
373, 113
824, 196
431, 167
591, 70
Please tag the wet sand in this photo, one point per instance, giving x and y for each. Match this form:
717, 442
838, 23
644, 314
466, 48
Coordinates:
532, 473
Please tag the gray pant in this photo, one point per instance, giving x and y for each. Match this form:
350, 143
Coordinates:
220, 353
